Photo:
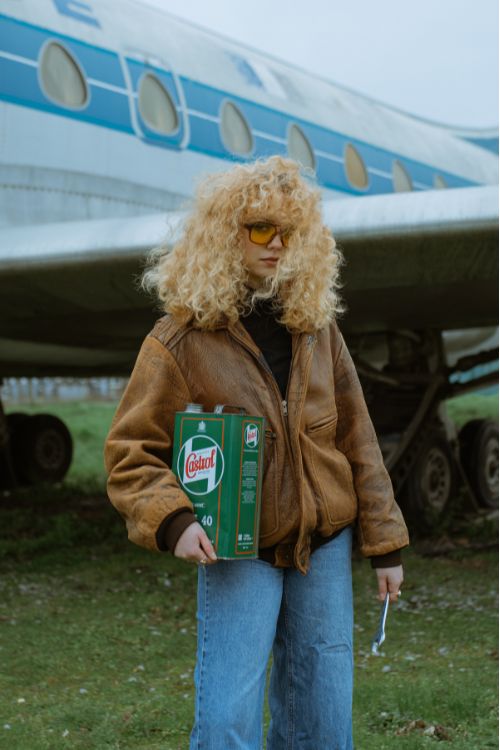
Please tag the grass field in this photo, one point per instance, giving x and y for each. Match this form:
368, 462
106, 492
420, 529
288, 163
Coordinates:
97, 636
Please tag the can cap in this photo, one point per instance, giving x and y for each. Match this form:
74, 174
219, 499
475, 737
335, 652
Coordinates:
196, 408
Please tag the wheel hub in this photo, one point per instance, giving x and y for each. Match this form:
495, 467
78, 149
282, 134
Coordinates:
49, 449
491, 465
436, 479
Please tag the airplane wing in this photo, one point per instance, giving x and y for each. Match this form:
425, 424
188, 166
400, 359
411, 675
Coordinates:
70, 302
419, 260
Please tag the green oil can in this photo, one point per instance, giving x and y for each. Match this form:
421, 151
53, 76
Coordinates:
218, 460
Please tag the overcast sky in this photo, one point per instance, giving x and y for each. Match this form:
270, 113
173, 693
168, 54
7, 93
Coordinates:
434, 58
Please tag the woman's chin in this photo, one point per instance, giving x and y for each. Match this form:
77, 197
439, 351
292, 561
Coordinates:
260, 282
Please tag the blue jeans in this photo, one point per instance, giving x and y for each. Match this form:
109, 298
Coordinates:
245, 609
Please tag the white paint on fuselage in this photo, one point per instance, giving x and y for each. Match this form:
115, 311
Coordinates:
202, 56
88, 157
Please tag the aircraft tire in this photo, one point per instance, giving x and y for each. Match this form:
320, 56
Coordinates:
479, 456
432, 484
42, 449
8, 478
14, 419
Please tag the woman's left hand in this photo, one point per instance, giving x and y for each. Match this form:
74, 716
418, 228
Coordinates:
389, 580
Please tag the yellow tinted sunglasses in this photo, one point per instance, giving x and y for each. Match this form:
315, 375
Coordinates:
263, 232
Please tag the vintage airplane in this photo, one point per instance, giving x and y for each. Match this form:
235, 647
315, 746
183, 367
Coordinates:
110, 110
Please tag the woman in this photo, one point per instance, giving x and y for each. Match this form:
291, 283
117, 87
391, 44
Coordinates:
250, 295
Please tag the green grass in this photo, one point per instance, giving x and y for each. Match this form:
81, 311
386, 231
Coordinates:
440, 663
97, 636
97, 644
97, 641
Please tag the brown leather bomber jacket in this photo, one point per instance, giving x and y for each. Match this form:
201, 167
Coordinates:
323, 467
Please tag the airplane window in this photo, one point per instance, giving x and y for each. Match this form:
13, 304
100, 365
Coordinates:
61, 77
235, 132
299, 147
354, 167
156, 105
401, 180
439, 182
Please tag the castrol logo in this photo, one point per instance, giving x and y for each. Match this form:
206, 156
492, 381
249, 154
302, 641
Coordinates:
197, 462
252, 436
200, 465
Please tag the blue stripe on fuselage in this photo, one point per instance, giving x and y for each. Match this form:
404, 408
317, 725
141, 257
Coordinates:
19, 84
26, 40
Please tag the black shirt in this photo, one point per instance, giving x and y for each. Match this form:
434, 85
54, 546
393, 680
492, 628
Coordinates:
272, 338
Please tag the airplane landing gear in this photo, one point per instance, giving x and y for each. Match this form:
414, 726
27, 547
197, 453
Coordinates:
432, 483
479, 455
33, 449
41, 448
7, 475
428, 459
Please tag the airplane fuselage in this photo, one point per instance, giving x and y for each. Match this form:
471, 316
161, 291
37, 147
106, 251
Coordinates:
94, 146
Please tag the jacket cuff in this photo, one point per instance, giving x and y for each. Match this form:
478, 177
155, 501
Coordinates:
172, 527
390, 560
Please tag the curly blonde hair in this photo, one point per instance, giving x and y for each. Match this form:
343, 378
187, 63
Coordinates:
203, 278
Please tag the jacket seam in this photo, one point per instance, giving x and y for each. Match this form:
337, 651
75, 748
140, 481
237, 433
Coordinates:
338, 335
176, 364
170, 340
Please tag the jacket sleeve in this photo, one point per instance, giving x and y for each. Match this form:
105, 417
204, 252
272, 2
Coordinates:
138, 449
381, 527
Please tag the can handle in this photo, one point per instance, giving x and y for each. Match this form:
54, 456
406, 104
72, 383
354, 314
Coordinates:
219, 409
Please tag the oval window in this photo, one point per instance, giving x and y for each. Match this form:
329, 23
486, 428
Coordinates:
61, 77
156, 106
299, 147
439, 182
354, 167
401, 180
236, 135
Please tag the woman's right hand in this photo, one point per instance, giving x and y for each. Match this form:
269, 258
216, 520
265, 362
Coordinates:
194, 545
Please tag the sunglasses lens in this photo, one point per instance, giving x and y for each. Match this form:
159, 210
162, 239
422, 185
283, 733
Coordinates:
261, 234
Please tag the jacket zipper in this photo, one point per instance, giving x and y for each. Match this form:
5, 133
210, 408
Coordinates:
309, 343
283, 403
